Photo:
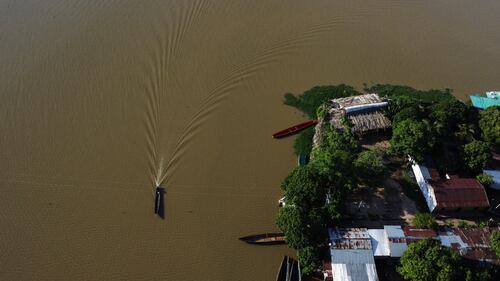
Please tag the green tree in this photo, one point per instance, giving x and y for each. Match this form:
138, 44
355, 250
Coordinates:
426, 260
304, 218
398, 104
495, 242
304, 187
303, 228
476, 155
411, 138
334, 158
465, 133
447, 115
489, 122
292, 221
370, 167
424, 220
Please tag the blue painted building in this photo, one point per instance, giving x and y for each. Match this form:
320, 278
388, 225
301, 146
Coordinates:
491, 99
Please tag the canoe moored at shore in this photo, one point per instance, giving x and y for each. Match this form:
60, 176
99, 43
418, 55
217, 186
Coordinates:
265, 239
289, 270
294, 129
159, 204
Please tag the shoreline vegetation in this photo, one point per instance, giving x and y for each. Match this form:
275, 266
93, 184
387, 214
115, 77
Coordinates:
431, 122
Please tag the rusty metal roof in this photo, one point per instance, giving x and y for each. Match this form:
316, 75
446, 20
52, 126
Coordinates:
459, 193
478, 244
418, 232
350, 238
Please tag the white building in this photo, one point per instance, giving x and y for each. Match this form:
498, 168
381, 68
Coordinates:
450, 193
388, 242
422, 176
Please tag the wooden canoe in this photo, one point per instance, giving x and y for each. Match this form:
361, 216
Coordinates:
265, 239
294, 129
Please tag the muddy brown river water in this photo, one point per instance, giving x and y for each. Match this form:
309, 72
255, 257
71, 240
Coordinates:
102, 100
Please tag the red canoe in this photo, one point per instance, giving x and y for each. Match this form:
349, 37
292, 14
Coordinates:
294, 129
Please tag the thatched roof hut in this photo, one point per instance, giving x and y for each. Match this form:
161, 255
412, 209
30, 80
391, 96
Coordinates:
364, 111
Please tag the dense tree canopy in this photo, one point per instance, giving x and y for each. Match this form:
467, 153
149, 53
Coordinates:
447, 115
411, 138
304, 187
400, 103
476, 155
412, 113
334, 158
426, 260
315, 192
489, 122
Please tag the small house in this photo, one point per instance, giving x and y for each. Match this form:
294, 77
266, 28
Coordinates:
450, 193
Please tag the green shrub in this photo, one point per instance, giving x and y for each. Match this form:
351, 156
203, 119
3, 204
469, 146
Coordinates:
424, 220
495, 242
485, 179
304, 142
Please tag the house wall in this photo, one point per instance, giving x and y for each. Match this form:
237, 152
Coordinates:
422, 175
397, 249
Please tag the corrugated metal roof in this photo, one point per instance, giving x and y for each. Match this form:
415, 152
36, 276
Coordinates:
471, 243
459, 193
484, 102
394, 231
455, 192
380, 244
419, 232
354, 270
350, 238
352, 255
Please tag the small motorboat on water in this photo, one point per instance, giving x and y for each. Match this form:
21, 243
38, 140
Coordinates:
294, 129
159, 204
265, 239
